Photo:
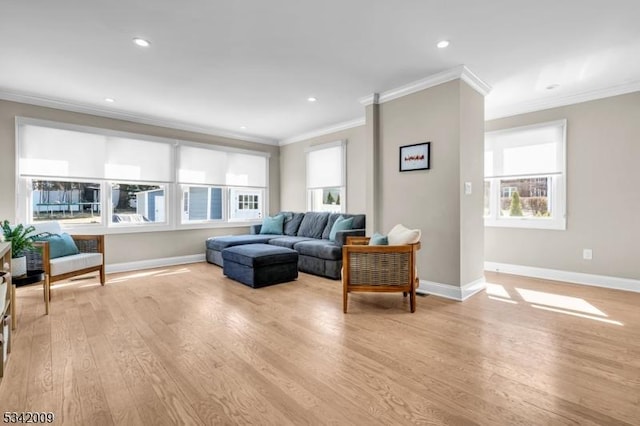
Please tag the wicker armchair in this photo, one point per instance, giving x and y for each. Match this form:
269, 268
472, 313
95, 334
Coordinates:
378, 269
90, 258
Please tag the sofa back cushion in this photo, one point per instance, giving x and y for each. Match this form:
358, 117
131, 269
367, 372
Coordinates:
292, 222
358, 222
313, 224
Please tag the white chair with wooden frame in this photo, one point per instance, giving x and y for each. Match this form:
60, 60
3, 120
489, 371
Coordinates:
368, 268
90, 259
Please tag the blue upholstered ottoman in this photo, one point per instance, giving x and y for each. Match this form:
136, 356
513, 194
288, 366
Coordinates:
260, 265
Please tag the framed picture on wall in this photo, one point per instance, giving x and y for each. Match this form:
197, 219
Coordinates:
415, 157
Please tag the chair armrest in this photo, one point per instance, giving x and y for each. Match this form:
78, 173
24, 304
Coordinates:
358, 240
342, 237
255, 229
89, 243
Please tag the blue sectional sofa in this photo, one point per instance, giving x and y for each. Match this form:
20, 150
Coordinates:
306, 233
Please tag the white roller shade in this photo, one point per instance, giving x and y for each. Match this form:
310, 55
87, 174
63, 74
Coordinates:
202, 165
46, 151
525, 151
139, 160
54, 152
325, 167
246, 170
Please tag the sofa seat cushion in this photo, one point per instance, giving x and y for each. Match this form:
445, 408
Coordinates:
287, 242
220, 243
75, 262
322, 249
257, 255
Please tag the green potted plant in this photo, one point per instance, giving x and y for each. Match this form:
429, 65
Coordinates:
21, 240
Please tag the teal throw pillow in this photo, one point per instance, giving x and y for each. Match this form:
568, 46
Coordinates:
341, 224
60, 245
378, 240
272, 225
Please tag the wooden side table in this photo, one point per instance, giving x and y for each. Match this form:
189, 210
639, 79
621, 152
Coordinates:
9, 307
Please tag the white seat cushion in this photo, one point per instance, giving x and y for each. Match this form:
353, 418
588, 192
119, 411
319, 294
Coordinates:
75, 262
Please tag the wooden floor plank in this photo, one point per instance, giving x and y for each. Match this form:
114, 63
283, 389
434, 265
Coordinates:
186, 345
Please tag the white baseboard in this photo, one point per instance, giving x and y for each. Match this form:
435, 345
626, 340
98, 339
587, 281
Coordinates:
616, 283
153, 263
449, 291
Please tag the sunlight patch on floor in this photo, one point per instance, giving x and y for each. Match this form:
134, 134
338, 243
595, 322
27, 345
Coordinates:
158, 273
498, 293
576, 314
550, 302
497, 290
559, 301
500, 299
179, 271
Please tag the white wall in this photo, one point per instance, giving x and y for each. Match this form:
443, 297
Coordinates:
603, 193
293, 170
450, 116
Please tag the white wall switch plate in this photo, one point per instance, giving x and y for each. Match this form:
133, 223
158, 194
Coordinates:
587, 254
467, 188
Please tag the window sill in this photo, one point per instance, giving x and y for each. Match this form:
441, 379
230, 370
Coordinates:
134, 229
551, 224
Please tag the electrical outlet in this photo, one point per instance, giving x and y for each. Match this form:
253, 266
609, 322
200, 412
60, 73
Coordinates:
587, 254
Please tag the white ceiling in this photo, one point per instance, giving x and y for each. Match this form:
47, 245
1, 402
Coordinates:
218, 65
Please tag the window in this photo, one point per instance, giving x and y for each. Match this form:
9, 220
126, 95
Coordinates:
525, 177
89, 177
201, 204
138, 204
210, 176
246, 204
65, 201
326, 180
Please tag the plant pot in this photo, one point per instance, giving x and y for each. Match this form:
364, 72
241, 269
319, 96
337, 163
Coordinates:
19, 266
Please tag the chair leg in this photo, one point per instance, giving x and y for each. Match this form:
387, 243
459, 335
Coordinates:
102, 277
413, 295
47, 294
404, 294
412, 300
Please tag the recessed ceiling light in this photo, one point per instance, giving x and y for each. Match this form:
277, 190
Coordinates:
312, 99
243, 127
141, 42
442, 44
110, 100
553, 86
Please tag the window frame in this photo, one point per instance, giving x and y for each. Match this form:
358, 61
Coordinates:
173, 189
343, 172
557, 192
201, 222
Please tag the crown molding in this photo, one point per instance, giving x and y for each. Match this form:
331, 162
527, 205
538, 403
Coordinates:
460, 72
324, 131
136, 118
559, 101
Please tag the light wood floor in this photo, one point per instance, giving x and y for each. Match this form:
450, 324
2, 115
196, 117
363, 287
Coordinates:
184, 345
